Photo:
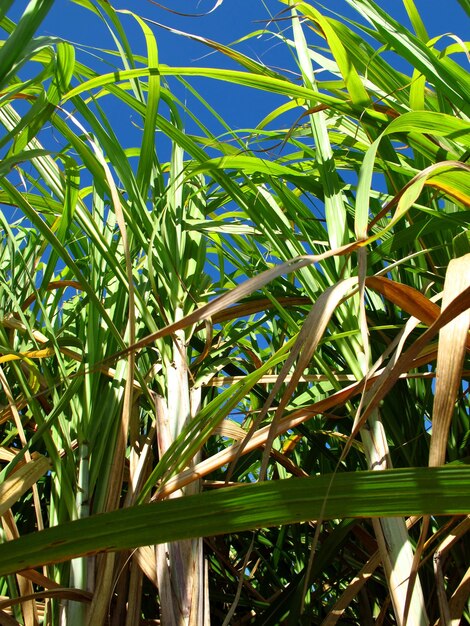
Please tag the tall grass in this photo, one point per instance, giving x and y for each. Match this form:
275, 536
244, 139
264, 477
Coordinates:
207, 335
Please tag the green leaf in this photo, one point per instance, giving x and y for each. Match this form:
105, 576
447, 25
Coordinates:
399, 492
12, 52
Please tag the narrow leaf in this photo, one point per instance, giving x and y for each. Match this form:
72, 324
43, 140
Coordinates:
415, 491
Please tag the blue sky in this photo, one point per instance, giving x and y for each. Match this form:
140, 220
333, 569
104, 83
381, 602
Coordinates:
230, 21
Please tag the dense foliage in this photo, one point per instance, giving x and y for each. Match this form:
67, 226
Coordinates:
251, 321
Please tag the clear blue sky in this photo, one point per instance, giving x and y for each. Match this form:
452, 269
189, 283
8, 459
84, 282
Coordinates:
228, 22
231, 20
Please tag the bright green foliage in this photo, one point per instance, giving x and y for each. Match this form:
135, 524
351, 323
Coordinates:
279, 290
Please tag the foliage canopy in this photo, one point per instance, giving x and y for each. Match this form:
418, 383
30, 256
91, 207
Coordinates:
212, 307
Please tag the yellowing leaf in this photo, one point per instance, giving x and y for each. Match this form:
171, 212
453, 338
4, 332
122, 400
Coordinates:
21, 480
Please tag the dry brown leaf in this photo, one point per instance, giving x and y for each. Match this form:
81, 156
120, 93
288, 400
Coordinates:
455, 535
55, 284
352, 590
66, 593
269, 379
146, 560
450, 357
458, 601
229, 428
255, 306
406, 361
6, 454
407, 298
15, 324
7, 620
25, 587
39, 579
453, 340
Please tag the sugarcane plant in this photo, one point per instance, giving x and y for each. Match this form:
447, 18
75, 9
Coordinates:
233, 361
